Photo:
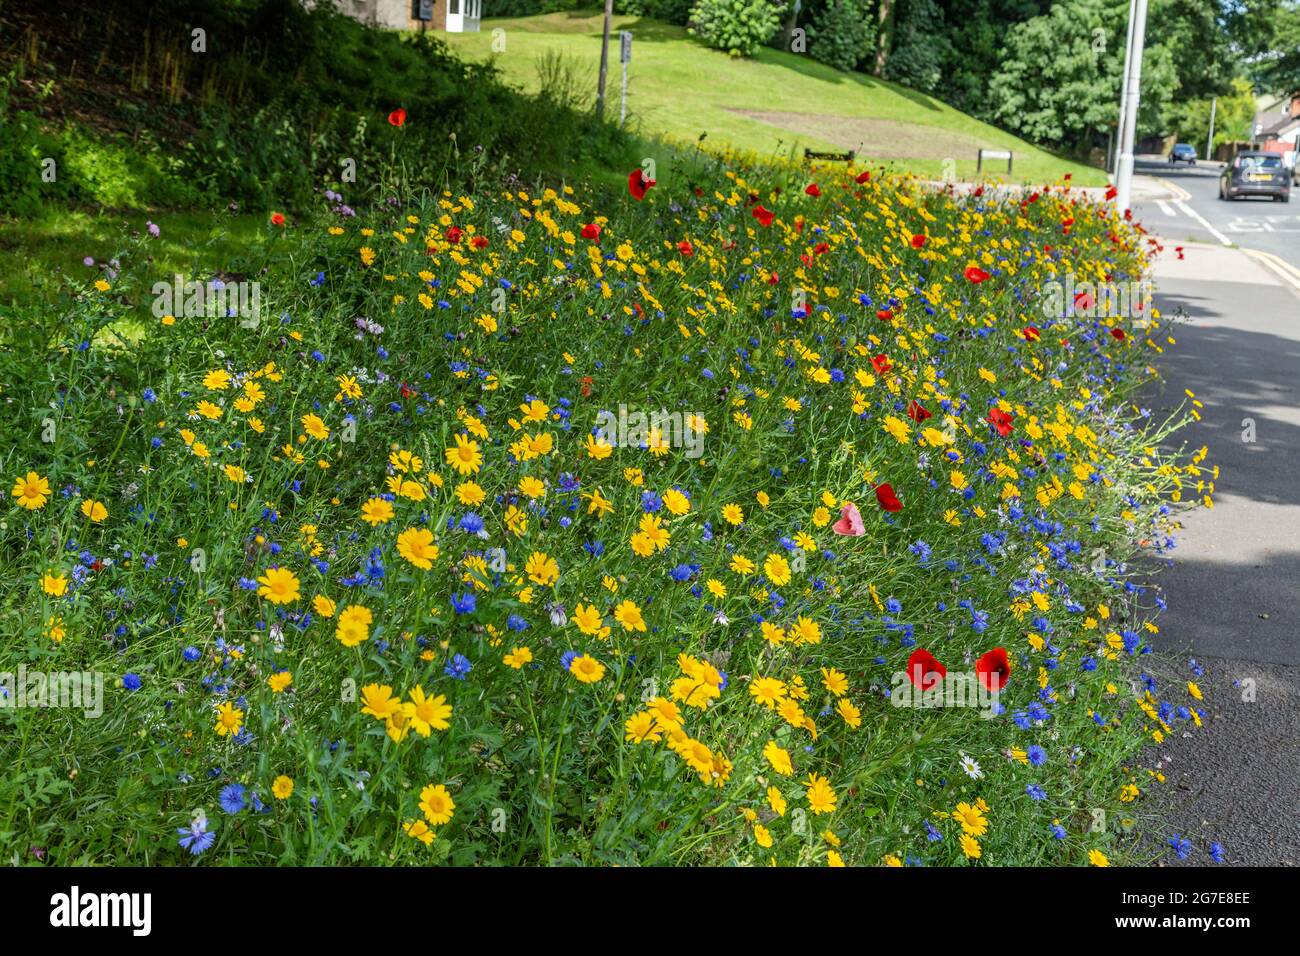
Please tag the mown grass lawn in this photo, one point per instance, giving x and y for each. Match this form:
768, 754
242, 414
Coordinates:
681, 89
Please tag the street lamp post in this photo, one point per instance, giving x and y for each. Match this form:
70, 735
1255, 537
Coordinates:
1123, 96
1132, 96
1209, 143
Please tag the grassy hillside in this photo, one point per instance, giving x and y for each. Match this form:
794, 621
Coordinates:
774, 103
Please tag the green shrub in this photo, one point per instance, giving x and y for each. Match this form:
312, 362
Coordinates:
842, 33
738, 26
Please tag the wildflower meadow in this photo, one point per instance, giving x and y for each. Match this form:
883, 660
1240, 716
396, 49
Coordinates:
754, 514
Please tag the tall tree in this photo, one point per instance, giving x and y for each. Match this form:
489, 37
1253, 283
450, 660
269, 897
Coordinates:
1060, 76
884, 34
1278, 67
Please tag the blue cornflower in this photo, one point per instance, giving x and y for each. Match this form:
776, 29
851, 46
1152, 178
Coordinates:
464, 603
232, 798
131, 682
1035, 791
196, 837
1037, 755
458, 667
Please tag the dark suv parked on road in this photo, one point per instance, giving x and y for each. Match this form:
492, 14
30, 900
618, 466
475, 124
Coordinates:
1183, 153
1256, 174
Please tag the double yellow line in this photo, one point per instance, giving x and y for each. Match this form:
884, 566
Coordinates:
1288, 273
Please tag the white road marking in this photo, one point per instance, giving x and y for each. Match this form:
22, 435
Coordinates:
1164, 208
1202, 220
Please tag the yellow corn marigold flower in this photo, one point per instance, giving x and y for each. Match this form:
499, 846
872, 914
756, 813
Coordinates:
230, 720
586, 669
436, 804
417, 547
32, 491
779, 758
353, 625
465, 456
518, 657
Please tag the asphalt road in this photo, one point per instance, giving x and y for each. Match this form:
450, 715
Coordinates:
1251, 222
1233, 588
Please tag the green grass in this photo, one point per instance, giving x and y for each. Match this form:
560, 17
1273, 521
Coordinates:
681, 89
40, 254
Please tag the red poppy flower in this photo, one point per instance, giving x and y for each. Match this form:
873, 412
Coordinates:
1067, 223
881, 364
975, 274
406, 390
918, 412
1083, 301
887, 499
397, 117
1001, 421
1111, 193
978, 192
1117, 334
591, 231
586, 386
924, 669
884, 315
993, 670
764, 216
863, 177
637, 184
918, 241
277, 219
479, 242
452, 235
773, 279
1031, 334
821, 249
812, 189
685, 248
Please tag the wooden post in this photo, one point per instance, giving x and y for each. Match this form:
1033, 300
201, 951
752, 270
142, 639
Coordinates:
604, 61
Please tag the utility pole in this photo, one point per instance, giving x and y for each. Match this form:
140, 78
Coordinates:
1132, 96
604, 61
1123, 96
1209, 143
